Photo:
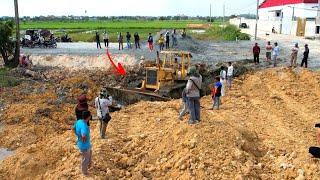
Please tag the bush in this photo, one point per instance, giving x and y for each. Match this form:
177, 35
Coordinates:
226, 33
7, 80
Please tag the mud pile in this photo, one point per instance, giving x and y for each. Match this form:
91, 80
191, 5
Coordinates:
82, 62
262, 131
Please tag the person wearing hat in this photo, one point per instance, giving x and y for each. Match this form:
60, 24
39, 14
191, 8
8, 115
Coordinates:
82, 105
305, 56
82, 131
294, 55
102, 104
193, 89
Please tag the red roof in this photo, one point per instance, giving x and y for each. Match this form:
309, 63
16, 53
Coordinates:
272, 3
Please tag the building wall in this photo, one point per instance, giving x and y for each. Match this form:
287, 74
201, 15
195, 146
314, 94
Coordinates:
310, 29
265, 26
268, 19
296, 10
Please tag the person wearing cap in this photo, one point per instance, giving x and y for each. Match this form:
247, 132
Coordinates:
294, 55
82, 105
193, 89
305, 56
82, 131
102, 104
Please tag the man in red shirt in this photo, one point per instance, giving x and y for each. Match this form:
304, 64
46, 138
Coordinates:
256, 52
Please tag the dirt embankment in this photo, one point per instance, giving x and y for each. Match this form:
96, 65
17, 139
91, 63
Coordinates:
262, 131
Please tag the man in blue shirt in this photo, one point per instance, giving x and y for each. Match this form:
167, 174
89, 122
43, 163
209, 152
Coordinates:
82, 131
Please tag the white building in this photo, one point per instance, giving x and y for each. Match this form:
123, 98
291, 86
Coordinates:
295, 17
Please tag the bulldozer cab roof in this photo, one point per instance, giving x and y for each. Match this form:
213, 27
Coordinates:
176, 53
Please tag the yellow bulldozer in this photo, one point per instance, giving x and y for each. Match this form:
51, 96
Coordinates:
163, 80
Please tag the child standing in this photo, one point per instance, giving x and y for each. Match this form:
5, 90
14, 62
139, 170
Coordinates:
216, 93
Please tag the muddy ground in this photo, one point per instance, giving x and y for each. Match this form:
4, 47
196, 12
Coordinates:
262, 131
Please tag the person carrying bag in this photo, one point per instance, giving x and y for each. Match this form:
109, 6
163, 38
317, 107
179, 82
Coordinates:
102, 104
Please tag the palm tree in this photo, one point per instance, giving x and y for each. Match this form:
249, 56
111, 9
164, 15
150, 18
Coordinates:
17, 49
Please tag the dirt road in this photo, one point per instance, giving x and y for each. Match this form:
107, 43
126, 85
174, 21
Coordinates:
286, 42
262, 131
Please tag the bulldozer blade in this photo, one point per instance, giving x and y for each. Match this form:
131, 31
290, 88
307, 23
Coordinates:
131, 96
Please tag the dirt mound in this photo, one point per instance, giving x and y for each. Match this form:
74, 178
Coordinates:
262, 131
82, 62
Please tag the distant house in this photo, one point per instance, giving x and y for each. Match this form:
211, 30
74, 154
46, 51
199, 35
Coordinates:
296, 17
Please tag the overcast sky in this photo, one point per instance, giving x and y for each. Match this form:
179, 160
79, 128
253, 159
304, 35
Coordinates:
126, 7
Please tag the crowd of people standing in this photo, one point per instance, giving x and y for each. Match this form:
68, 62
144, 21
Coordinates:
193, 91
163, 41
273, 53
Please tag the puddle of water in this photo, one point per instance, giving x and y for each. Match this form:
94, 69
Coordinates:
4, 153
199, 31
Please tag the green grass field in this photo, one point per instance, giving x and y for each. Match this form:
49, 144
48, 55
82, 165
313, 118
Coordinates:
85, 30
226, 33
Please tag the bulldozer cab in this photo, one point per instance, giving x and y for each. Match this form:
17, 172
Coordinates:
171, 67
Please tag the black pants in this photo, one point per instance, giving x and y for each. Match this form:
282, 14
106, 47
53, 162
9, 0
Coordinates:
167, 44
137, 43
305, 62
106, 42
98, 45
161, 45
256, 58
121, 45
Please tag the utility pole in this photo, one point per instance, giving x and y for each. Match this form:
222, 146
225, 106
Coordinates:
293, 13
210, 14
319, 10
16, 13
224, 13
257, 18
281, 20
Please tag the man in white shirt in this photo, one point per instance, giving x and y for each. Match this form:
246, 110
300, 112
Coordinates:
106, 39
230, 74
275, 54
102, 103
